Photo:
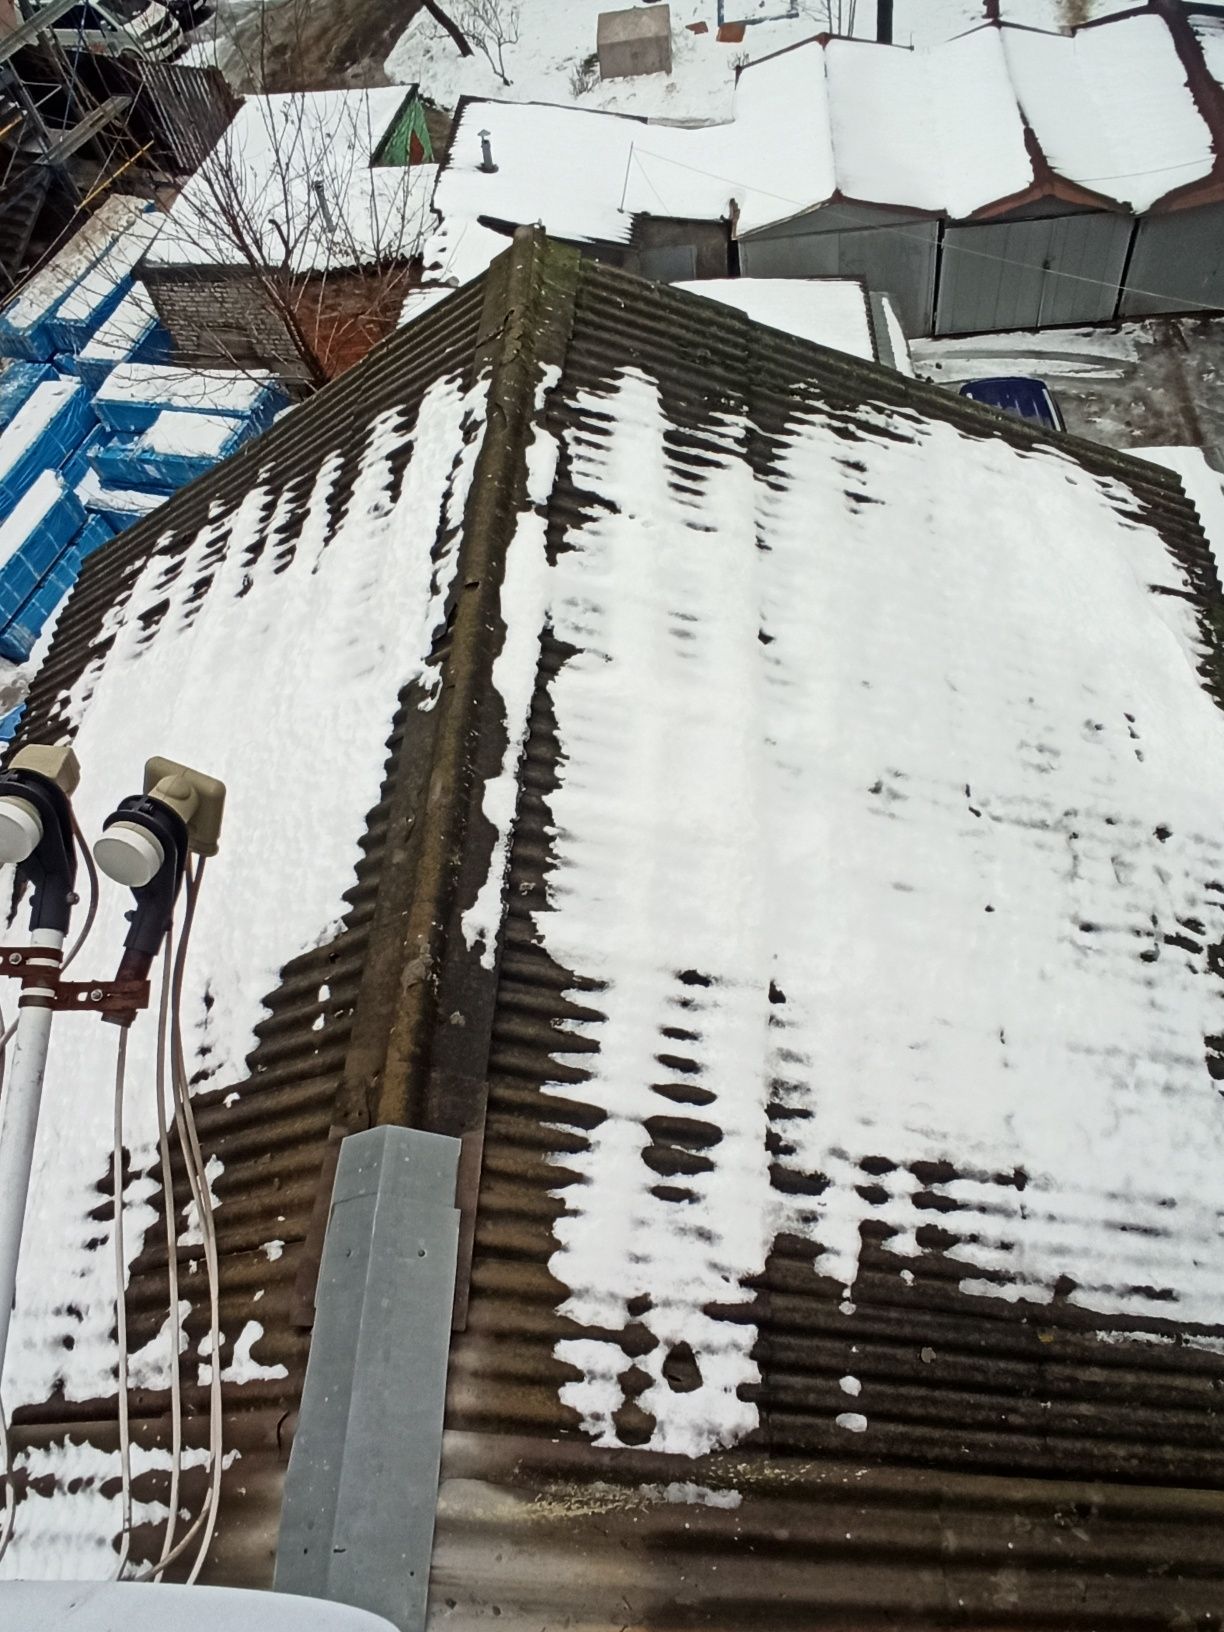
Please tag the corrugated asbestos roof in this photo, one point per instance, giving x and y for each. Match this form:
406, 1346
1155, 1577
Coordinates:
1018, 1472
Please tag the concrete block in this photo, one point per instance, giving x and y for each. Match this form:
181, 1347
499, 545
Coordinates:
637, 41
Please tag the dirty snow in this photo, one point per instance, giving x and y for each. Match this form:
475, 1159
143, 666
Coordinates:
303, 625
935, 782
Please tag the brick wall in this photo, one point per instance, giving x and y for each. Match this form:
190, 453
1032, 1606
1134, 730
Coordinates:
219, 316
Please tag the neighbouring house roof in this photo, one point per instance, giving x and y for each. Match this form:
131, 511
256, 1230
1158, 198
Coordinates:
294, 176
790, 866
1119, 114
828, 311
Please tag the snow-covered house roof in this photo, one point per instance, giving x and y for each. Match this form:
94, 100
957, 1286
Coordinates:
1121, 113
769, 809
295, 176
836, 312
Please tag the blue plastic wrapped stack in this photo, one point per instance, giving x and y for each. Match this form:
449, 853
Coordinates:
97, 426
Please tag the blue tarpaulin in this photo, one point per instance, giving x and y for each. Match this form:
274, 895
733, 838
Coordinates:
17, 384
19, 634
33, 537
52, 422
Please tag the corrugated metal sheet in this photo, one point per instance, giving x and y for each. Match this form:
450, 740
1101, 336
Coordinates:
273, 1139
1019, 1472
1027, 274
1176, 265
899, 261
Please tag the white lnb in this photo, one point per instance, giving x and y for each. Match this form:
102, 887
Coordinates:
129, 854
21, 830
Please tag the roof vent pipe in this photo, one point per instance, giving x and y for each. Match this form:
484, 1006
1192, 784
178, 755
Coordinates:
316, 188
486, 154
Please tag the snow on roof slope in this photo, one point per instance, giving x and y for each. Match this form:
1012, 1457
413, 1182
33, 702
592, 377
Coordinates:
263, 179
918, 804
933, 130
774, 155
1111, 108
830, 311
561, 168
1204, 488
584, 176
291, 616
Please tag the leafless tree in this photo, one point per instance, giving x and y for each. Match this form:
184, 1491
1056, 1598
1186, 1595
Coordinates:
491, 26
832, 16
290, 195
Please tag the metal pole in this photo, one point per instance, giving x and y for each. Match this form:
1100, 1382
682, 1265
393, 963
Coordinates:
19, 1107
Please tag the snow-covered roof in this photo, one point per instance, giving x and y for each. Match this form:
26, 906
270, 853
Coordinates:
830, 311
1111, 108
293, 177
968, 126
846, 825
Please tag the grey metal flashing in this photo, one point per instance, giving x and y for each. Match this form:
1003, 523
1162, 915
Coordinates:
361, 1489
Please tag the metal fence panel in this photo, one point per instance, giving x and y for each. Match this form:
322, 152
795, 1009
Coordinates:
1178, 263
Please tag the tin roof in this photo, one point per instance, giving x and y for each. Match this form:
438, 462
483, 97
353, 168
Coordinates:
1122, 113
792, 698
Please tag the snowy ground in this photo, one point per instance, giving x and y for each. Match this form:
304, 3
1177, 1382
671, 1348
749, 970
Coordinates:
311, 44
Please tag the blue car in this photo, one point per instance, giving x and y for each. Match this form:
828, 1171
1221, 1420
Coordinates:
1016, 395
